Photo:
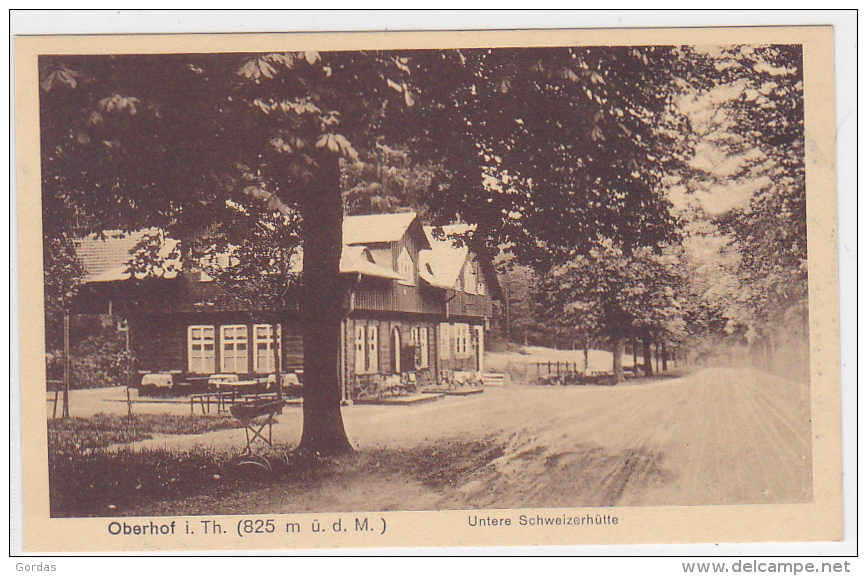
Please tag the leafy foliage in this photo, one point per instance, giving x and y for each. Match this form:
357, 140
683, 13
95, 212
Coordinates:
615, 295
546, 148
387, 180
758, 135
98, 356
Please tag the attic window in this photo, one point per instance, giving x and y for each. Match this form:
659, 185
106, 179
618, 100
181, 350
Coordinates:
406, 268
219, 261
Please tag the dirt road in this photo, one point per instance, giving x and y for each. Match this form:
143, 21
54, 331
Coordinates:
720, 436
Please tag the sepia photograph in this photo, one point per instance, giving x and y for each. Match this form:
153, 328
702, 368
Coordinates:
539, 283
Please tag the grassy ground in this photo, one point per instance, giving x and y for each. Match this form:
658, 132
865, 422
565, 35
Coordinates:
207, 480
83, 475
102, 430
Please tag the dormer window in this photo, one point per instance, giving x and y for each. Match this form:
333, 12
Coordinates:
217, 261
406, 268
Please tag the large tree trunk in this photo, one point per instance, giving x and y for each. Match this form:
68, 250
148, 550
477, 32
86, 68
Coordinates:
648, 357
617, 352
321, 303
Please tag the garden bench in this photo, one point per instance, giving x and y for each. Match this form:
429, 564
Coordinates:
493, 379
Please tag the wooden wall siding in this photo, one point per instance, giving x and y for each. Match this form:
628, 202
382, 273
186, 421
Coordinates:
386, 327
161, 343
450, 361
391, 296
178, 295
461, 303
461, 364
469, 305
293, 347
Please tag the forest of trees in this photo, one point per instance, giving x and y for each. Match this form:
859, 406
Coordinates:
633, 194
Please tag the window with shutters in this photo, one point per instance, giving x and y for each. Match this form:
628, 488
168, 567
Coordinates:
233, 349
360, 348
263, 361
445, 336
200, 349
372, 349
422, 345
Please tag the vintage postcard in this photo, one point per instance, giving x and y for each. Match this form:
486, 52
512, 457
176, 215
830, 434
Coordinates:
428, 289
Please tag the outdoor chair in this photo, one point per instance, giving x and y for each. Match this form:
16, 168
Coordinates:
247, 414
425, 377
409, 381
393, 385
446, 378
365, 386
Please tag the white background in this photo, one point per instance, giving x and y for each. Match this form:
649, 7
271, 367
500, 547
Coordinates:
664, 559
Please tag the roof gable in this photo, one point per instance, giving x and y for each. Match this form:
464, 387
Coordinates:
108, 259
441, 265
376, 228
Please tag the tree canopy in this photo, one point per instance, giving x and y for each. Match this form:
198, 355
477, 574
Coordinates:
564, 157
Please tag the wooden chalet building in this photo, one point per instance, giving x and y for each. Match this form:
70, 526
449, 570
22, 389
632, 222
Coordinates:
413, 303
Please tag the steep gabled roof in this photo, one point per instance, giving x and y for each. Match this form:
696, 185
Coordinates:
358, 260
440, 260
108, 259
441, 265
376, 228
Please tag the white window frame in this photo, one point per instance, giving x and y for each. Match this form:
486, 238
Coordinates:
406, 268
462, 340
231, 362
198, 361
268, 341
